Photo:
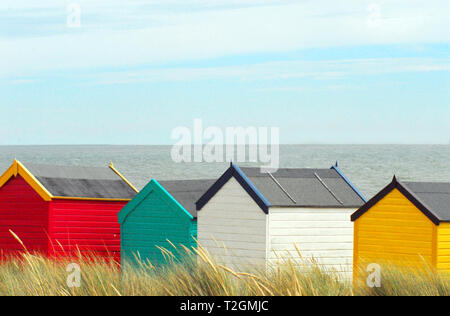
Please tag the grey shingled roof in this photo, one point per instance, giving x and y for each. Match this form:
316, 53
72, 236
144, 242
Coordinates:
187, 192
304, 188
434, 196
81, 182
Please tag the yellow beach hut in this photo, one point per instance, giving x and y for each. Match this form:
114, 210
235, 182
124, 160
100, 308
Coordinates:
407, 223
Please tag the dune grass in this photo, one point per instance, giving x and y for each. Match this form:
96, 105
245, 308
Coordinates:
406, 280
200, 275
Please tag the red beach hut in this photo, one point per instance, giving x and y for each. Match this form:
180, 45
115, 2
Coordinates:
60, 211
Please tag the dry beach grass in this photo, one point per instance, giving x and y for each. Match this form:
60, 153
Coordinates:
36, 275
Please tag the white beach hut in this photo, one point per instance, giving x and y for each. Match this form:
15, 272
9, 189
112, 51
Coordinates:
249, 217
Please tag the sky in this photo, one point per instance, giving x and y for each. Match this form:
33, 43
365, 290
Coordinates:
345, 72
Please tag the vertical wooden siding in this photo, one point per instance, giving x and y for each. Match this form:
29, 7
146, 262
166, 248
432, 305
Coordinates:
88, 226
155, 222
394, 231
323, 234
232, 227
443, 248
24, 212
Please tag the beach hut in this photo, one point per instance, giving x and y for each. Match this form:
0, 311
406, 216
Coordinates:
61, 210
249, 217
406, 224
161, 216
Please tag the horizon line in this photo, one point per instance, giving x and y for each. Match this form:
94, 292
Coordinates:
281, 144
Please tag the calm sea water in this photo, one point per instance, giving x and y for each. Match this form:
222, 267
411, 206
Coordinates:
369, 167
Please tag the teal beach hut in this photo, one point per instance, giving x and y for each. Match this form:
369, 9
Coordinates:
162, 214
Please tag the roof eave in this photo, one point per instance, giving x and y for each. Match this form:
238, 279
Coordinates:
395, 184
339, 171
90, 199
413, 198
111, 166
17, 168
151, 186
174, 200
317, 206
244, 181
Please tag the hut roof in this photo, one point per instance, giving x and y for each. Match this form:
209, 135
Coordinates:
432, 198
187, 192
436, 196
53, 181
292, 187
180, 193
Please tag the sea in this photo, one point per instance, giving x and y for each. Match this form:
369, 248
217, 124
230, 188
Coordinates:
369, 167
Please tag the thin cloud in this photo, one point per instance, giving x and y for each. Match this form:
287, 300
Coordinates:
281, 70
161, 36
317, 70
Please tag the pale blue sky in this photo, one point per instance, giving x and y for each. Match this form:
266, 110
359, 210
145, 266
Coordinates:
322, 71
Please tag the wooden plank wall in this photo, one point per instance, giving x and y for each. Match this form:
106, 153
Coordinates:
232, 227
24, 212
325, 235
